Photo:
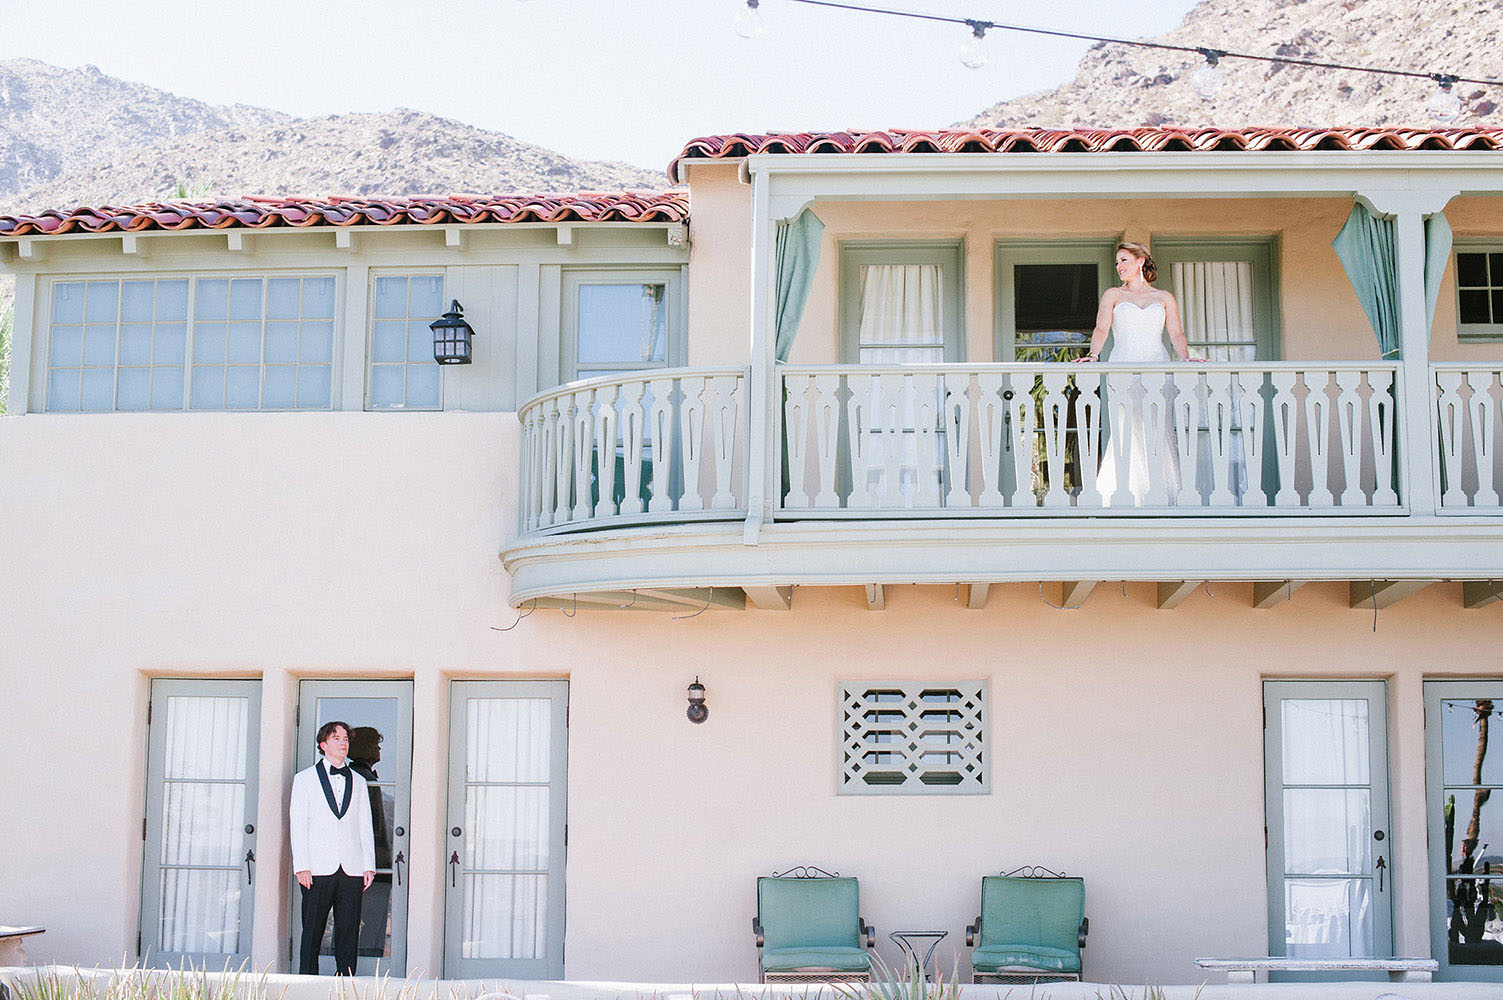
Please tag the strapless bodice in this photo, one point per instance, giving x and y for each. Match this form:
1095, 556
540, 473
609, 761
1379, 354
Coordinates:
1138, 333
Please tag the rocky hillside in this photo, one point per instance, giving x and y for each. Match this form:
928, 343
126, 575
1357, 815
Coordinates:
76, 136
1118, 85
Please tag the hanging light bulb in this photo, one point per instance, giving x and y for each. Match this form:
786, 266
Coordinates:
749, 23
1443, 106
1207, 80
972, 52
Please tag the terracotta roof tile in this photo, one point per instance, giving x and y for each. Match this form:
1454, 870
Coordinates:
1086, 140
275, 213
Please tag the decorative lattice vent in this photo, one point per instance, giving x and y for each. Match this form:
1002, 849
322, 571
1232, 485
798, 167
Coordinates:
913, 738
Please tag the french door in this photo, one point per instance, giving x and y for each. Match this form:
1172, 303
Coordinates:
1330, 854
1464, 782
198, 871
504, 870
379, 714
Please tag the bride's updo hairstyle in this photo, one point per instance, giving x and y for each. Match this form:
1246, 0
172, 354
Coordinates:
1138, 250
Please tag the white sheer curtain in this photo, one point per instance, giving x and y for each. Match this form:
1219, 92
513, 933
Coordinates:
203, 812
902, 322
902, 319
1216, 310
508, 764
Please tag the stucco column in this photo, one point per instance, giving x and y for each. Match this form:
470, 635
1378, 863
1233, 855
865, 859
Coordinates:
761, 395
1418, 449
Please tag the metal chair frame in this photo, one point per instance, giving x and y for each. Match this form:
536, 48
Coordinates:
1022, 975
810, 975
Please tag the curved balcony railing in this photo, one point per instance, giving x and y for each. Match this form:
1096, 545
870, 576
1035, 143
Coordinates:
667, 445
1055, 439
1469, 401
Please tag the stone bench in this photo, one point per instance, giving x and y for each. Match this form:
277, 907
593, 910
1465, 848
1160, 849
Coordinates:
1245, 970
11, 952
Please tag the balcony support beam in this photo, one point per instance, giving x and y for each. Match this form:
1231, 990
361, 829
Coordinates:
1172, 593
974, 595
733, 598
876, 599
1383, 593
1073, 593
1269, 593
1481, 593
770, 598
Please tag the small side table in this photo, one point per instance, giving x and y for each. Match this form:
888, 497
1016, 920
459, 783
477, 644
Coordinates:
910, 941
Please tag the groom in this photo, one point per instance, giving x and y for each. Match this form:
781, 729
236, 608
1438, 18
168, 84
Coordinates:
332, 839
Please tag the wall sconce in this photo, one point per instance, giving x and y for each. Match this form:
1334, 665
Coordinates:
451, 337
697, 712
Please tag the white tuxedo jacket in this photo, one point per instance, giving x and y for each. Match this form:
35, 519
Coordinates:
323, 842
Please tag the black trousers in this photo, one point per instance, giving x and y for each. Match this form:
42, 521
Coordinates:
341, 893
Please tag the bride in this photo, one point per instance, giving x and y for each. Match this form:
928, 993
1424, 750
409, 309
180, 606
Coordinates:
1138, 315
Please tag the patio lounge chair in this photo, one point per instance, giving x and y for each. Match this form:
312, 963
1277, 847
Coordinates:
1032, 928
809, 928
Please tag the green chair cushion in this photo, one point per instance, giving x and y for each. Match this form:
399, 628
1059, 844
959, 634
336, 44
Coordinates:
994, 957
1032, 912
791, 959
804, 913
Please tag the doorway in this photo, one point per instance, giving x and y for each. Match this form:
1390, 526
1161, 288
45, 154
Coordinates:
379, 714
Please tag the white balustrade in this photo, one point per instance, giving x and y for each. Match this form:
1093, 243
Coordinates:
1469, 401
657, 446
1008, 439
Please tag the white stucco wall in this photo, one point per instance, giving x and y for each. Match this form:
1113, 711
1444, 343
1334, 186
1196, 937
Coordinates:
1126, 741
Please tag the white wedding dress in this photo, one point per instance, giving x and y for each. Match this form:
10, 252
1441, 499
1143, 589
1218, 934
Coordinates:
1137, 449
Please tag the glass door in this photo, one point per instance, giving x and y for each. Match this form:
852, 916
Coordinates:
1464, 778
203, 745
504, 871
1330, 856
379, 714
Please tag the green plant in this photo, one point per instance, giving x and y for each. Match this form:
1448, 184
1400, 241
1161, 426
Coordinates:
53, 985
886, 984
1150, 992
184, 190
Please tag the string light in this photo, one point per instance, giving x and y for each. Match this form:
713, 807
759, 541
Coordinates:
1207, 80
749, 23
1443, 106
972, 50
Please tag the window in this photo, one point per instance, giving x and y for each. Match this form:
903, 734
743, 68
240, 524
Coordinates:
900, 303
252, 343
1047, 294
913, 738
620, 321
117, 345
1479, 292
1225, 290
403, 374
1464, 778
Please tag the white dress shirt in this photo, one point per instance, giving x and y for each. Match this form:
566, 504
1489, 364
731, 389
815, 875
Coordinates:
322, 843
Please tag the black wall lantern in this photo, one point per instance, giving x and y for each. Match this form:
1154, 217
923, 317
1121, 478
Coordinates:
451, 337
697, 711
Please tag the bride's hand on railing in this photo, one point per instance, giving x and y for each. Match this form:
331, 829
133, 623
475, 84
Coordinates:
1087, 359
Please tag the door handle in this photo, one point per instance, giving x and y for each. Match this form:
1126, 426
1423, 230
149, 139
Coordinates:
454, 870
397, 865
1381, 865
250, 859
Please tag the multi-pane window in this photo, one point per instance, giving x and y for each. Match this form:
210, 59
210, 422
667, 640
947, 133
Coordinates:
403, 373
204, 343
117, 345
262, 343
1479, 292
617, 322
913, 738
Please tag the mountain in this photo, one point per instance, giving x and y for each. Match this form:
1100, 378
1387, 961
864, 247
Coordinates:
1119, 86
76, 136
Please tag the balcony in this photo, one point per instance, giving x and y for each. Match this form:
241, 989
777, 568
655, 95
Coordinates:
1001, 472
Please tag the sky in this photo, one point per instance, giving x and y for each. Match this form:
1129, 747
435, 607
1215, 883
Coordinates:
627, 80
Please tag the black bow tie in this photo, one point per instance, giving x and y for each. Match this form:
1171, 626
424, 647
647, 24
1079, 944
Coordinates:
341, 770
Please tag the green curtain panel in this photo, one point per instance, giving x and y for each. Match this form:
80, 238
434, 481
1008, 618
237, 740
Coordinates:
1365, 247
797, 259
